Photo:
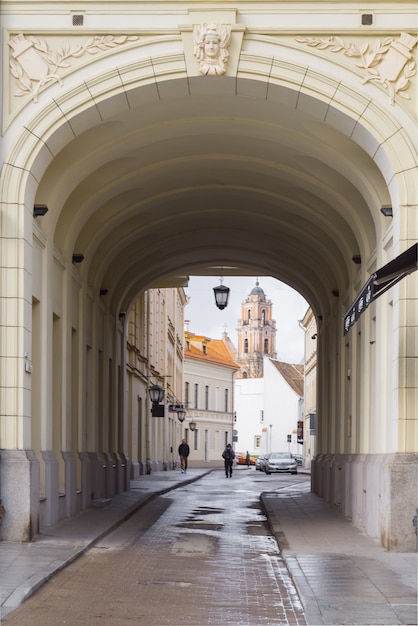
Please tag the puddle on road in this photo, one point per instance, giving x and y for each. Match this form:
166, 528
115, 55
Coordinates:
201, 525
207, 510
258, 528
171, 583
194, 545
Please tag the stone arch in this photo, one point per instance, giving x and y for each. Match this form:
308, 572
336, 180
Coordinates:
65, 122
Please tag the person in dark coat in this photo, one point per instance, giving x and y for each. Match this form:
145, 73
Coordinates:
228, 455
184, 452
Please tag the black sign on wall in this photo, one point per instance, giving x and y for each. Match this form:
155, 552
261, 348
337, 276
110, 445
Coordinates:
379, 282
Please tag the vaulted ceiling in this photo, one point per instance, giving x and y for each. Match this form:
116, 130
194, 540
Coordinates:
203, 175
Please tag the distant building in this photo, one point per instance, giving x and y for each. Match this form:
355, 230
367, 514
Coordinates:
269, 408
268, 393
310, 421
209, 369
256, 334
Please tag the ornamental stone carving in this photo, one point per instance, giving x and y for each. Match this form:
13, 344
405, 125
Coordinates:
388, 62
33, 64
211, 43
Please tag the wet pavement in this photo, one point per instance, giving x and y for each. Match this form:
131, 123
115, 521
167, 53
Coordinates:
203, 554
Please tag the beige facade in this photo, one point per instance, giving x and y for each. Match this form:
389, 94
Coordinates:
209, 370
154, 356
310, 387
158, 159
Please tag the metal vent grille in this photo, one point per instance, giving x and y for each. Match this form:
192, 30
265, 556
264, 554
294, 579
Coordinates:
367, 19
78, 20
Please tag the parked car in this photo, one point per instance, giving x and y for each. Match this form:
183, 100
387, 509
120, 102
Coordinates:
242, 459
281, 462
259, 464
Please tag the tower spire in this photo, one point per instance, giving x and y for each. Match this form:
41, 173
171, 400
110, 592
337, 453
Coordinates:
256, 333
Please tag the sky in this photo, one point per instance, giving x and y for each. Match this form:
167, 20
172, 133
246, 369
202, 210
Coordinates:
204, 318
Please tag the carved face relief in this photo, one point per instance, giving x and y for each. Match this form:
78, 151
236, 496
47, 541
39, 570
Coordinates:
211, 42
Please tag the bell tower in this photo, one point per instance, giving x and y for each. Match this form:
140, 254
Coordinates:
256, 334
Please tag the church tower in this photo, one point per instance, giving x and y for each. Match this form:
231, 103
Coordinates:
256, 334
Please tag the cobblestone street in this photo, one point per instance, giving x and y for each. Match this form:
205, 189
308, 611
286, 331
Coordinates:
200, 555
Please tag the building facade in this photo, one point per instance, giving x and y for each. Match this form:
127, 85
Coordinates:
209, 370
132, 159
310, 387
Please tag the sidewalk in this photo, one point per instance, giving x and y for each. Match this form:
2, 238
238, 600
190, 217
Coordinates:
24, 567
342, 576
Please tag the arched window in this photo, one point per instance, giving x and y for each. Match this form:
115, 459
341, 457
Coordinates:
266, 346
249, 314
246, 346
263, 316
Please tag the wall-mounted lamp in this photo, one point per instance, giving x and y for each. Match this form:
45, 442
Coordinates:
156, 394
103, 292
387, 211
221, 295
192, 426
78, 258
39, 210
356, 259
335, 293
181, 415
314, 336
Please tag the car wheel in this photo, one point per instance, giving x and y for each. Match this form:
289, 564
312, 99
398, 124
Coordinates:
268, 473
293, 472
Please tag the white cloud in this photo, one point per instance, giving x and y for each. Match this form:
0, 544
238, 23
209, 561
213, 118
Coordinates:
288, 307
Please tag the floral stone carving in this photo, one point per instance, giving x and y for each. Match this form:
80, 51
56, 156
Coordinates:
388, 63
33, 64
211, 42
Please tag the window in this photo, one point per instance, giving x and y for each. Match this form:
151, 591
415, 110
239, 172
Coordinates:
257, 440
206, 397
261, 416
196, 396
226, 400
249, 314
246, 346
186, 394
263, 317
266, 346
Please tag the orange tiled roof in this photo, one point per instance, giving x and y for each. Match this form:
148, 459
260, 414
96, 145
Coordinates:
217, 350
293, 375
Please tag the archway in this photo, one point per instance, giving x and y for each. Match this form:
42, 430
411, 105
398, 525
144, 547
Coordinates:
152, 182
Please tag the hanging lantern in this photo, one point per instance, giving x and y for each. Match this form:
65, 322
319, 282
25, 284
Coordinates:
221, 295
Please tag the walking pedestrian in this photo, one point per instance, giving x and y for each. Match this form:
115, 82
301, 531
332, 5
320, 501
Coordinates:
228, 455
184, 452
248, 459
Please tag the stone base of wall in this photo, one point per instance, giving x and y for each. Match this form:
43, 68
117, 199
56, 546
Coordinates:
378, 492
24, 513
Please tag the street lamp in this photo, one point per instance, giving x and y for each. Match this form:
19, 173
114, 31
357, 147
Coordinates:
221, 295
156, 394
192, 426
181, 415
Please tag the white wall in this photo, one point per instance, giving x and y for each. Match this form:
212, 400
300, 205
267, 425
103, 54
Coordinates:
249, 406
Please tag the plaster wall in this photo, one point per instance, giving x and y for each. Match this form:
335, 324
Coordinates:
276, 55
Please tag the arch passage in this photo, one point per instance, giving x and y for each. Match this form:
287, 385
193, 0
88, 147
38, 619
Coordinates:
150, 183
